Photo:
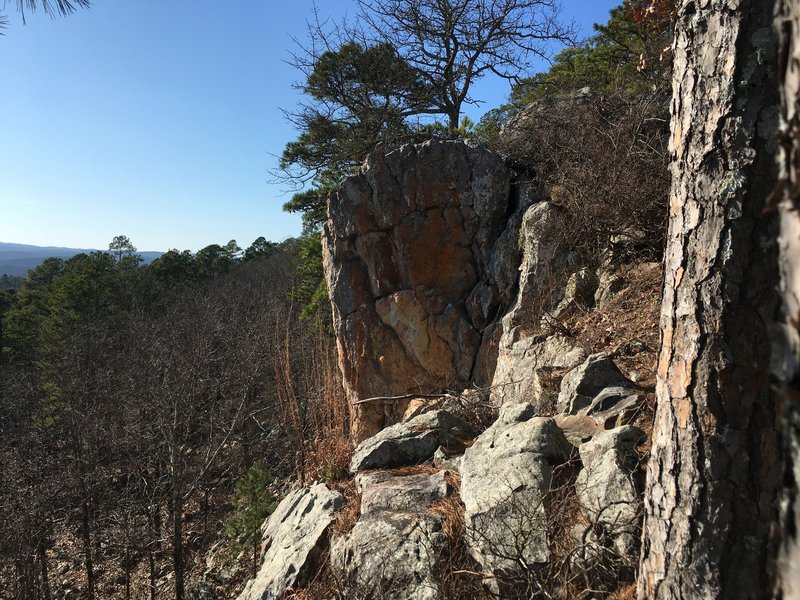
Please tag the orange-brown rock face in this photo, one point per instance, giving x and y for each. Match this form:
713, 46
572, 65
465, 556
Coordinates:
421, 259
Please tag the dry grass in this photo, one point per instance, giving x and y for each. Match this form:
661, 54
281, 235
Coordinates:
347, 516
316, 416
451, 509
627, 328
322, 585
604, 159
626, 592
423, 469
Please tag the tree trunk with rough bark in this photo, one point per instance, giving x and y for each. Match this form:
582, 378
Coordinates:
715, 464
787, 195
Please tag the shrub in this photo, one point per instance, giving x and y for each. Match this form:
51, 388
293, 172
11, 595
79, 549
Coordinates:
252, 503
604, 159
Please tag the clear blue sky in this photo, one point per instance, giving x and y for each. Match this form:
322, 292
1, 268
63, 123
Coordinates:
159, 120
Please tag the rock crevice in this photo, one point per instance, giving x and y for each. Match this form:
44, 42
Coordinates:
420, 252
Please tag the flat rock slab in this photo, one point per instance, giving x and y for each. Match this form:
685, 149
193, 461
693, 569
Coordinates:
505, 477
381, 490
394, 550
412, 442
613, 407
292, 539
577, 428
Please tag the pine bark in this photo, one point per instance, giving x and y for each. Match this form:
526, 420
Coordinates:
787, 196
715, 462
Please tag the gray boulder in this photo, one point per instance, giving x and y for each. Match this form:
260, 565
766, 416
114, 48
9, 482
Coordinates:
505, 477
581, 385
581, 287
292, 539
544, 252
609, 487
609, 285
530, 369
580, 291
393, 551
412, 442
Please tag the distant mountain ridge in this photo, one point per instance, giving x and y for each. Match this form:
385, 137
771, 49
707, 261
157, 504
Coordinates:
18, 259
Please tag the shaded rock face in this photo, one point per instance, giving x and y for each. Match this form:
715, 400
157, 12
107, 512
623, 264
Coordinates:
394, 550
421, 256
292, 539
522, 355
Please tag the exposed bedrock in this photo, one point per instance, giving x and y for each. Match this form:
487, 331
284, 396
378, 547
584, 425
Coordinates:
421, 258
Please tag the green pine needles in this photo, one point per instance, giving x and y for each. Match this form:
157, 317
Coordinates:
252, 503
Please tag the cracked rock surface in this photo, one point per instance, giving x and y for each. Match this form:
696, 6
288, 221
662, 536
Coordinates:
421, 255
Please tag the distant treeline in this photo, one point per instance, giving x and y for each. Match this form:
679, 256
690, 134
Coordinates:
10, 282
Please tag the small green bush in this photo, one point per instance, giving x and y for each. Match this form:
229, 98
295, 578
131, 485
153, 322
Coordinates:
252, 503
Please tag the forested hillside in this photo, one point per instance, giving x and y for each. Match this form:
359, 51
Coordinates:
134, 398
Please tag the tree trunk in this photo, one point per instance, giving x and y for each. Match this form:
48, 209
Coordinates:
177, 541
452, 119
151, 561
43, 567
715, 463
788, 197
127, 571
86, 530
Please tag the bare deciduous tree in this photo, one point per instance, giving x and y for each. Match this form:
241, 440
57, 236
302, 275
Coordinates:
453, 43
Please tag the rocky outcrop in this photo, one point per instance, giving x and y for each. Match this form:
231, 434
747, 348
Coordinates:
420, 253
446, 277
292, 539
411, 442
505, 477
393, 552
529, 364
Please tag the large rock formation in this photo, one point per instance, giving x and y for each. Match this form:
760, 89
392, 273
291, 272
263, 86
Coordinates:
421, 258
443, 276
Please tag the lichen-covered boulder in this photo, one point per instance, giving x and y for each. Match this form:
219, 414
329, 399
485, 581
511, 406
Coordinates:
609, 487
505, 477
411, 442
292, 539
